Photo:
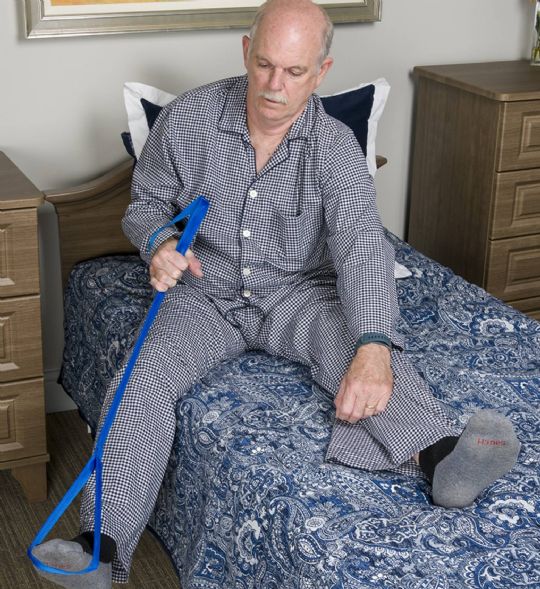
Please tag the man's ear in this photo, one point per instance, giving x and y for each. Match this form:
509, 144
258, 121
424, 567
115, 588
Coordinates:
325, 66
245, 48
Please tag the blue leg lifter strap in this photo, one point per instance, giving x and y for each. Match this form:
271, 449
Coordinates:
195, 212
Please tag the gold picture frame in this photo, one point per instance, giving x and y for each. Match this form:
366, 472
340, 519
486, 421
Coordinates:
69, 18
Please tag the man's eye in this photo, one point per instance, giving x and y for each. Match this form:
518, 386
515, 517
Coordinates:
263, 65
295, 73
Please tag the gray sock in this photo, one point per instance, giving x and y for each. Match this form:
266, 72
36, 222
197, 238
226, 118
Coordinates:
70, 556
486, 450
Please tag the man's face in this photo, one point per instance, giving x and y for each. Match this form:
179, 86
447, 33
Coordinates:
283, 70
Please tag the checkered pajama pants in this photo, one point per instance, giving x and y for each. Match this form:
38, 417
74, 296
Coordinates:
190, 335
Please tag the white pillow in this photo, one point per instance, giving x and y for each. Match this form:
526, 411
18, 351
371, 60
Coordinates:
138, 126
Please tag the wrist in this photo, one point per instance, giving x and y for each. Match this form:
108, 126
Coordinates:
373, 338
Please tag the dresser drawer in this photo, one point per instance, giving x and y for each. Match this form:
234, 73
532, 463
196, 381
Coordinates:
19, 266
530, 307
22, 420
519, 136
513, 270
20, 338
516, 204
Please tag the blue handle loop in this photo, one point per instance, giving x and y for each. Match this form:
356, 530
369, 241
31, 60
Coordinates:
196, 212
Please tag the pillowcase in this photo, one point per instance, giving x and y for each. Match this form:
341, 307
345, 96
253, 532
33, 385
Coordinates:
360, 108
138, 121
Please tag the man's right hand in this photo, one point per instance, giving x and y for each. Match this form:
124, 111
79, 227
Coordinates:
167, 265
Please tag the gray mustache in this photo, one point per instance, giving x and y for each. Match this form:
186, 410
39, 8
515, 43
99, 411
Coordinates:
274, 96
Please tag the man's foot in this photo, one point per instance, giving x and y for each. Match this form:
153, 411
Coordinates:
70, 556
486, 450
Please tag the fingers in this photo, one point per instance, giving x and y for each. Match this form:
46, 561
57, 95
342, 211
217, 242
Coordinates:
375, 406
371, 408
166, 269
352, 407
344, 404
367, 385
167, 266
163, 283
356, 411
194, 264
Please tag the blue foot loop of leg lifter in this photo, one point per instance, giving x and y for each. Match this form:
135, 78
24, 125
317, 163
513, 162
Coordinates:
195, 213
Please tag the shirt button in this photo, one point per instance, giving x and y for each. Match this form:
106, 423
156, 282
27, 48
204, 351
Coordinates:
246, 233
253, 193
246, 271
246, 294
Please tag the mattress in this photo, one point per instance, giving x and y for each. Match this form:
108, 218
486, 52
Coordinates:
248, 501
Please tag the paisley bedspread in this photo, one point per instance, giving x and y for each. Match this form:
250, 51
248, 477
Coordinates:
247, 500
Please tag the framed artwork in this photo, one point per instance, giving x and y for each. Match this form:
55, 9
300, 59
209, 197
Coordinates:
56, 18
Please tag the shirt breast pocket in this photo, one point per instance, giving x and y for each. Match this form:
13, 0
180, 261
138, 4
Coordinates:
291, 239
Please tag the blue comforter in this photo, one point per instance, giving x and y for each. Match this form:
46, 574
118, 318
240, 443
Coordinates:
247, 500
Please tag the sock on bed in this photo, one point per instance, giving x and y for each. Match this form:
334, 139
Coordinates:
70, 556
486, 450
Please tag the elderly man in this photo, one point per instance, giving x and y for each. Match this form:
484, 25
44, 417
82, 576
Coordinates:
291, 259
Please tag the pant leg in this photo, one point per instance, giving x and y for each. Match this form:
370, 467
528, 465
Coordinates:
309, 327
187, 338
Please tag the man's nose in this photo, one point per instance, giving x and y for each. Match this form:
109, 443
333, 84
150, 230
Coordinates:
276, 79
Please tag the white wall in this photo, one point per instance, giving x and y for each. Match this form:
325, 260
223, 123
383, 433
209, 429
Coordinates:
61, 109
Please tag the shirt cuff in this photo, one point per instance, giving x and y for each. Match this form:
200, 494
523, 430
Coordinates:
373, 338
166, 234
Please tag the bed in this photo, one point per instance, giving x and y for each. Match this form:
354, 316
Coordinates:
247, 500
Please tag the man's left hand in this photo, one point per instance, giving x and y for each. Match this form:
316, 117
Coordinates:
367, 384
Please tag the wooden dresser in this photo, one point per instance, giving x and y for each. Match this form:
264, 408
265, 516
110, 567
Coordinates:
22, 411
475, 185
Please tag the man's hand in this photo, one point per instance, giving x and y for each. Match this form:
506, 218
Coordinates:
367, 384
167, 265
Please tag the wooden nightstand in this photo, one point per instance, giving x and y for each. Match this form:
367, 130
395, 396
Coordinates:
475, 187
22, 410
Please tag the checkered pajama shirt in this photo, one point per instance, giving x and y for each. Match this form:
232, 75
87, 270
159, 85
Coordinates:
309, 215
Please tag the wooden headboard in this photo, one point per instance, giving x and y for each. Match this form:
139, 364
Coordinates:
89, 217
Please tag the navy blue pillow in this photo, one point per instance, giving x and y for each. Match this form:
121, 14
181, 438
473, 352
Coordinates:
128, 143
352, 108
151, 111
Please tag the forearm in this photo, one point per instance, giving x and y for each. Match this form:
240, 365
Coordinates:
362, 257
366, 288
143, 216
155, 188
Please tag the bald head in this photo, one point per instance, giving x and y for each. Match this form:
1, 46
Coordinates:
285, 63
304, 12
